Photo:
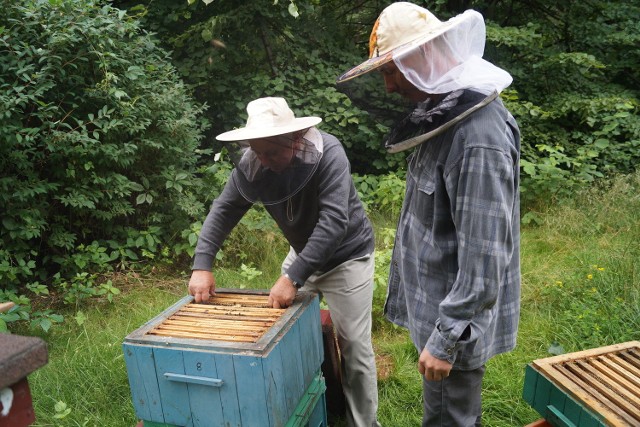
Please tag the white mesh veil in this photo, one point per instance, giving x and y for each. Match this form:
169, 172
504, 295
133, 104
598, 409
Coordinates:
453, 60
445, 58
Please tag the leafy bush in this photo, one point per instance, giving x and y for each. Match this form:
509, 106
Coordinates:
574, 92
383, 193
100, 142
233, 52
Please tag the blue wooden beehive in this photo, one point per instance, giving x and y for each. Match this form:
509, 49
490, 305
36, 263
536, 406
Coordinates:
592, 388
233, 362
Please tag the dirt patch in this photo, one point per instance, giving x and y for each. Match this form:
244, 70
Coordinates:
384, 365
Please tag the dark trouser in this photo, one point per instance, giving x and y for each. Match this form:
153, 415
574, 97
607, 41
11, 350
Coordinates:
455, 401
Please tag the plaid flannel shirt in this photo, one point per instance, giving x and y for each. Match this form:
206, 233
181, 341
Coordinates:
455, 274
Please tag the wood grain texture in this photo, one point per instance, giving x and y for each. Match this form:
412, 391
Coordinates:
605, 379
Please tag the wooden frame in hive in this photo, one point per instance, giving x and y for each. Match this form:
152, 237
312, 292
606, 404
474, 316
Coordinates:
596, 387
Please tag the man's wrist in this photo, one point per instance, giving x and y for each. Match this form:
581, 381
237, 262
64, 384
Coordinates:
295, 284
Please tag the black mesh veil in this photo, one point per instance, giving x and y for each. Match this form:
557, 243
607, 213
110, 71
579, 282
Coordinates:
271, 171
368, 93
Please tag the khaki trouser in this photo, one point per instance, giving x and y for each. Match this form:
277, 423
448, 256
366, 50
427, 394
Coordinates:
348, 291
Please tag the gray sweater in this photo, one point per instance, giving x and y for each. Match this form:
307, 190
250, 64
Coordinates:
326, 224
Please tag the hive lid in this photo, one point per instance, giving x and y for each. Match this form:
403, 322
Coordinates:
605, 379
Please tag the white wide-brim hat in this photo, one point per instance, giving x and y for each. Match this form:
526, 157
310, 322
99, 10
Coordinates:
267, 117
401, 27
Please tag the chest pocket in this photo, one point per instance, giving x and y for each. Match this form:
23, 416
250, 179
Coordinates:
423, 198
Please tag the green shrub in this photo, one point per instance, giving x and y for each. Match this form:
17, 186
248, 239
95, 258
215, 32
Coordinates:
574, 91
382, 194
99, 144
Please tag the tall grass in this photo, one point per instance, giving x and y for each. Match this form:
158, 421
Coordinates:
580, 289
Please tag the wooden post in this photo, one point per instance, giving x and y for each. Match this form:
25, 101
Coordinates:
19, 356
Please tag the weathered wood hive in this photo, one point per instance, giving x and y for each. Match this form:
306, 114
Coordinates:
597, 387
234, 361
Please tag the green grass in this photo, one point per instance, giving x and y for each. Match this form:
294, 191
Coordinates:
580, 288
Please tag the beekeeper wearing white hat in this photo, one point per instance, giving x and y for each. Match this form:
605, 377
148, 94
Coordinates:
303, 178
455, 273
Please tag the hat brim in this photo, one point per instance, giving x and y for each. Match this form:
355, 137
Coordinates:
243, 134
378, 61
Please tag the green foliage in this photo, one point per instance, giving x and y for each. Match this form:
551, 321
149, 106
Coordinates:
383, 193
85, 285
254, 239
593, 307
62, 411
22, 310
575, 69
575, 91
214, 176
585, 275
384, 250
249, 272
100, 141
215, 173
233, 52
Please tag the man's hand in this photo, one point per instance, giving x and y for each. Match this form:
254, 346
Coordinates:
433, 369
282, 293
202, 285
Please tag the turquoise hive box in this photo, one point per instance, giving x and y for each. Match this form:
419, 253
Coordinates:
592, 388
231, 362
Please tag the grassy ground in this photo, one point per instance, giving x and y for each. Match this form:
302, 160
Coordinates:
580, 290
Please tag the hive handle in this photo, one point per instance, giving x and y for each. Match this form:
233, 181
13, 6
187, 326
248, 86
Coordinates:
212, 382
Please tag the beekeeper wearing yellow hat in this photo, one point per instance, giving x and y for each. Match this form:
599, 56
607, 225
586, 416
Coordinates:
454, 277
